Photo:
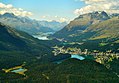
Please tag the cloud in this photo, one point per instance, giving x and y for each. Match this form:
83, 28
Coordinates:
56, 18
63, 19
44, 16
10, 9
110, 6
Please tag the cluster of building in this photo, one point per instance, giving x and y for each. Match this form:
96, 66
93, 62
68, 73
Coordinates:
62, 50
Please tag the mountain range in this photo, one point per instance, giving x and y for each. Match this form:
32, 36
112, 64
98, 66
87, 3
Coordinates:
94, 30
91, 26
81, 23
29, 25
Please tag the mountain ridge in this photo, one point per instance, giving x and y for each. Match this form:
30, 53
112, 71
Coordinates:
29, 25
23, 23
84, 23
12, 39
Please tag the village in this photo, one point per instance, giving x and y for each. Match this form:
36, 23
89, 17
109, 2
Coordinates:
99, 56
62, 50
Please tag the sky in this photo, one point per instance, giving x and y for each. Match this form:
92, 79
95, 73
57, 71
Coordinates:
59, 10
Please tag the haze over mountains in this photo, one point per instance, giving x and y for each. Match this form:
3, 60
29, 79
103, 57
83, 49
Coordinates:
28, 25
56, 26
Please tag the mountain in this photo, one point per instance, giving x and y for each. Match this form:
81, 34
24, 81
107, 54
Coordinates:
95, 26
103, 30
30, 26
106, 30
95, 31
81, 23
12, 39
23, 23
17, 47
56, 26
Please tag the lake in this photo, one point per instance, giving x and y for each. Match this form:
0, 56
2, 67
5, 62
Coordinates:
40, 37
77, 57
18, 70
73, 56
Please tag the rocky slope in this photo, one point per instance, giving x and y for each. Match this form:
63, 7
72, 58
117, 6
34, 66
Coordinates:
78, 25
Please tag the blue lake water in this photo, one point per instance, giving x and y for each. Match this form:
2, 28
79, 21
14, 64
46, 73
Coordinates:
41, 37
18, 70
77, 57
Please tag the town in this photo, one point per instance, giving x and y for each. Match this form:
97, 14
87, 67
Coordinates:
100, 57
